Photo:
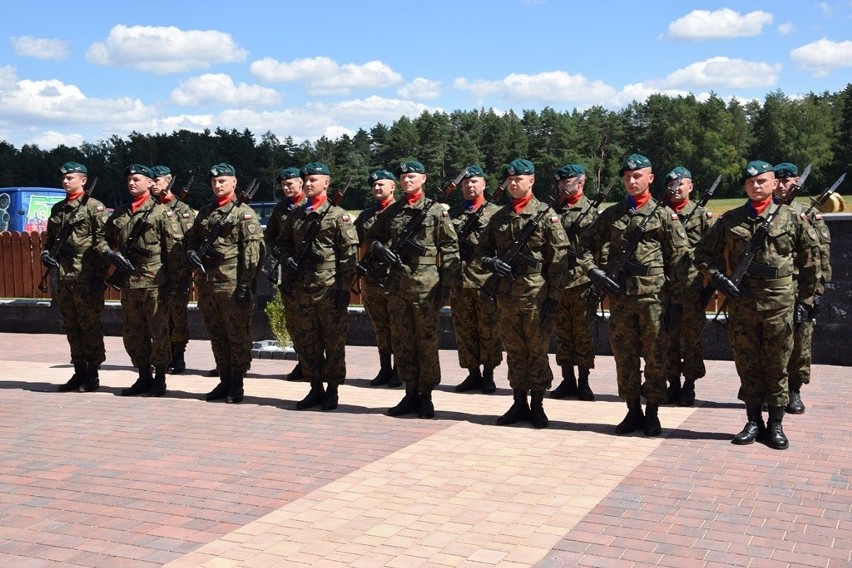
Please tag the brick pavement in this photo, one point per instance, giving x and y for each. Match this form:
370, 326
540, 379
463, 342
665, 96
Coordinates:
101, 480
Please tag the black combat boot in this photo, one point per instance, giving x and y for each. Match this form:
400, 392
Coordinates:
473, 381
296, 375
633, 420
394, 379
754, 428
221, 390
235, 387
673, 393
92, 382
687, 393
329, 401
427, 409
178, 365
315, 396
568, 386
409, 404
775, 437
158, 386
584, 391
488, 385
795, 405
652, 425
520, 409
76, 380
142, 384
537, 415
385, 370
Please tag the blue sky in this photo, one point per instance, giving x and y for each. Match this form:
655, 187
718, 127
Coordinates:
87, 71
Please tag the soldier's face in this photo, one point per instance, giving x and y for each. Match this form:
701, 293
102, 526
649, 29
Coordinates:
683, 191
383, 189
292, 188
412, 182
784, 186
637, 182
473, 188
520, 186
137, 184
316, 184
576, 190
73, 183
223, 186
160, 184
761, 187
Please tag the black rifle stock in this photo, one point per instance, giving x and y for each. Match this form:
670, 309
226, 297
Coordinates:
206, 250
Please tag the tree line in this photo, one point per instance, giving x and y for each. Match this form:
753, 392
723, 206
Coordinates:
709, 137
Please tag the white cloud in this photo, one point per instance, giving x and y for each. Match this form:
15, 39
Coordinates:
8, 77
724, 23
826, 9
325, 76
640, 92
786, 29
218, 88
420, 88
546, 87
28, 46
51, 139
479, 88
718, 72
163, 50
823, 56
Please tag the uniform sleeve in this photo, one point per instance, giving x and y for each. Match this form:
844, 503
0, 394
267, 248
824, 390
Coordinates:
448, 249
676, 257
347, 250
710, 251
251, 250
98, 221
171, 243
807, 263
555, 255
592, 249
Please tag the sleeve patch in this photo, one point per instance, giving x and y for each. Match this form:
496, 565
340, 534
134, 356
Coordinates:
819, 216
185, 215
445, 213
346, 219
802, 215
99, 208
675, 217
554, 219
709, 214
248, 217
169, 213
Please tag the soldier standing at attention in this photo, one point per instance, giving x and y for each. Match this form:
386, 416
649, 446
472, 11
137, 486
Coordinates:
375, 298
421, 273
227, 278
80, 274
290, 182
474, 316
696, 221
148, 268
178, 320
646, 288
320, 285
761, 307
799, 367
527, 293
573, 322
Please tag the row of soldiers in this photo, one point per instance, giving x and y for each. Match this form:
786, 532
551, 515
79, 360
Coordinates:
513, 274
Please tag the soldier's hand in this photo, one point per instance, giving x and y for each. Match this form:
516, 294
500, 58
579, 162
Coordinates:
548, 310
725, 285
801, 314
817, 306
289, 264
119, 261
497, 266
242, 297
603, 282
385, 253
48, 261
672, 317
341, 300
195, 260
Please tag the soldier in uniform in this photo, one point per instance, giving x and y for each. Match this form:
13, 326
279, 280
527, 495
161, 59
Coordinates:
799, 367
645, 294
696, 220
528, 292
320, 285
178, 319
80, 274
148, 277
421, 273
375, 298
226, 278
574, 324
761, 308
474, 315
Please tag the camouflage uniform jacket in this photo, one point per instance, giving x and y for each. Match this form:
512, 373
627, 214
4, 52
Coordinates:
823, 251
365, 220
472, 274
662, 251
86, 240
276, 219
696, 221
570, 214
240, 242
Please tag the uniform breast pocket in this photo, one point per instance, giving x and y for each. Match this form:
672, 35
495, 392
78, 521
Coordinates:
737, 239
427, 228
781, 239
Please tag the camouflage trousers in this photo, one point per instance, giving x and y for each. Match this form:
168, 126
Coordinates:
81, 307
414, 337
321, 329
376, 305
527, 344
688, 359
228, 327
145, 327
762, 340
573, 327
290, 316
178, 318
634, 332
475, 323
799, 367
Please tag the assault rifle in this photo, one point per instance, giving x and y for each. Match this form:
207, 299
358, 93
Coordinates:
595, 203
206, 251
825, 195
451, 185
60, 246
466, 247
562, 197
705, 198
305, 254
185, 191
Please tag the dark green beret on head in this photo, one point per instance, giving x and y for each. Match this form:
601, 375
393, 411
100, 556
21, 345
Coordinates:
786, 170
376, 175
411, 166
679, 171
222, 169
755, 167
474, 171
138, 169
634, 162
72, 168
315, 168
569, 171
518, 168
160, 171
288, 173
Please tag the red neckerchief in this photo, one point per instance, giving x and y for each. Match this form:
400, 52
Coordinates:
315, 203
475, 204
758, 207
382, 205
413, 198
638, 201
519, 204
296, 200
72, 196
167, 197
138, 202
220, 201
678, 207
573, 198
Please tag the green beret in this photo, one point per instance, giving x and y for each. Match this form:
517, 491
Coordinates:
222, 169
473, 172
376, 175
315, 168
569, 171
518, 168
411, 166
755, 167
786, 170
161, 171
72, 168
679, 171
138, 169
634, 162
287, 173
